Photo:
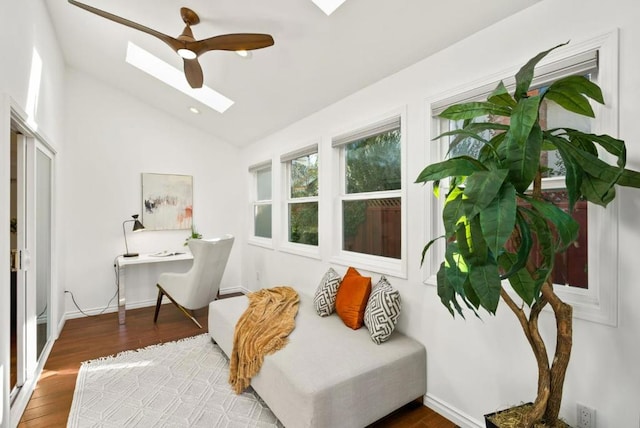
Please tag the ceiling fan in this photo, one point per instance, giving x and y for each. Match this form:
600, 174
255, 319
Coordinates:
186, 45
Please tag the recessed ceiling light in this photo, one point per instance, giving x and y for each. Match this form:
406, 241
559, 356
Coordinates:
166, 73
328, 6
194, 110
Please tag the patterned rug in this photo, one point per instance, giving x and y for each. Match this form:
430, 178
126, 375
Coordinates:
175, 384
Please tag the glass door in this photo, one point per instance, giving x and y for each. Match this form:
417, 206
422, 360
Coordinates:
43, 174
31, 265
19, 262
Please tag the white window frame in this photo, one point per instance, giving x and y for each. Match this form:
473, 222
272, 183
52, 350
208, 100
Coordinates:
255, 202
378, 264
306, 250
599, 303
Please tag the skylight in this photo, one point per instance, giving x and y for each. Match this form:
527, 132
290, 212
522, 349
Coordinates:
328, 6
166, 73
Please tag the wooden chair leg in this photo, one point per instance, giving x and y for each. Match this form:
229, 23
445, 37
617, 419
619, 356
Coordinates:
158, 303
182, 308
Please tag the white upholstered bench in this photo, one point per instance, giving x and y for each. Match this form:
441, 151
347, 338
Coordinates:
329, 375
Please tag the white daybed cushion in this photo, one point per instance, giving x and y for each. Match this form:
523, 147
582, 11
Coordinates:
329, 375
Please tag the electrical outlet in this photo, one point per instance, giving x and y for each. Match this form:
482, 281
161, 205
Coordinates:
586, 417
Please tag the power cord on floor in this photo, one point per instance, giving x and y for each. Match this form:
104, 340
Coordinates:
117, 275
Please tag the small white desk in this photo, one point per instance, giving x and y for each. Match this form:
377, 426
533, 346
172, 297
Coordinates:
123, 262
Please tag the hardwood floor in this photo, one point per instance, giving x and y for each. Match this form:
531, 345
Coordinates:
88, 338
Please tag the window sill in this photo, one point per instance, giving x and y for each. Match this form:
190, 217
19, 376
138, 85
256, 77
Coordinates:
303, 250
396, 268
261, 242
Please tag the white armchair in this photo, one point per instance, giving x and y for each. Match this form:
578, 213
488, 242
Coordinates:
199, 286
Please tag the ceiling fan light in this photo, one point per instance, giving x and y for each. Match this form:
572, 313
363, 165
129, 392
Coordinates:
187, 54
243, 53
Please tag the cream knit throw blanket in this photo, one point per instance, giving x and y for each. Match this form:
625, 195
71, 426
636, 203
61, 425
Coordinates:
262, 330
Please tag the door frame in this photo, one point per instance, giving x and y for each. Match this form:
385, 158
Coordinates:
13, 117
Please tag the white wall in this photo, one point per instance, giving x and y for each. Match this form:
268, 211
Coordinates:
111, 140
25, 25
475, 367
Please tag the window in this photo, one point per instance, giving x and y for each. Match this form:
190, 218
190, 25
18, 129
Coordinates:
301, 169
570, 267
371, 190
262, 200
583, 275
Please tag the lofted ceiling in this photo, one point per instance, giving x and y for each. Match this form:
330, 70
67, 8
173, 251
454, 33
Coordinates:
316, 60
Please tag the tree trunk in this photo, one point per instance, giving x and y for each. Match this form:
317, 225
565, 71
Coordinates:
546, 407
564, 341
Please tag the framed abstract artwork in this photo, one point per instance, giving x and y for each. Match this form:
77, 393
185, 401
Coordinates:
167, 201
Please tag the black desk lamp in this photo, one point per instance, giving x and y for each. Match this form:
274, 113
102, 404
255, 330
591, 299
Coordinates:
136, 226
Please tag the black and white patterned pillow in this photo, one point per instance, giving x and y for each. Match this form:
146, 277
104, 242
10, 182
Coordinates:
325, 298
383, 310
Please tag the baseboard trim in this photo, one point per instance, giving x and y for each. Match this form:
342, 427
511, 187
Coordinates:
140, 304
453, 414
239, 289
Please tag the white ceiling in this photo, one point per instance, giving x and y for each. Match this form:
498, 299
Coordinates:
316, 59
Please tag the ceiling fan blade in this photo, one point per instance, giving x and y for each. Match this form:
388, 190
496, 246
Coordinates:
173, 43
193, 73
232, 42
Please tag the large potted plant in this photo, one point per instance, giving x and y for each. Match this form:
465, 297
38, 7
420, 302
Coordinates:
500, 230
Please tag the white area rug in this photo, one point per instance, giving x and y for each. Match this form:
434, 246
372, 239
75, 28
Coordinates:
176, 384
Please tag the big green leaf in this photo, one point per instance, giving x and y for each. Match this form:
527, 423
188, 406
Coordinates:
446, 292
545, 248
456, 268
461, 166
485, 281
471, 242
426, 248
605, 175
471, 296
629, 178
481, 189
474, 109
454, 212
571, 93
572, 178
612, 145
501, 96
583, 85
598, 191
520, 280
524, 143
524, 76
524, 118
498, 218
524, 248
592, 164
565, 225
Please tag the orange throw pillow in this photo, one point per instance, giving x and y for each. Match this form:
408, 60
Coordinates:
351, 300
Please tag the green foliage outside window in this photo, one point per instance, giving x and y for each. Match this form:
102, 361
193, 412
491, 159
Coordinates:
303, 223
373, 163
304, 176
